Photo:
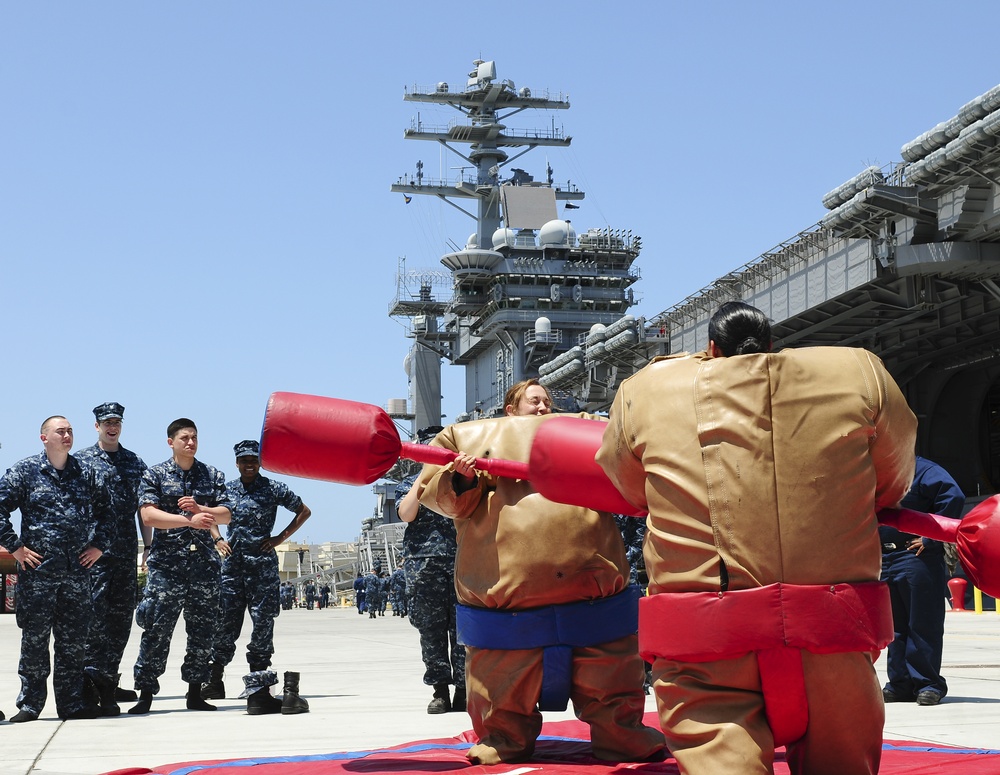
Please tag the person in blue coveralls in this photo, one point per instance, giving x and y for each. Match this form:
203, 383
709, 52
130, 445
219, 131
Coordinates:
916, 572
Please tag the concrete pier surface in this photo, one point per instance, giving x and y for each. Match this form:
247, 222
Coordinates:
363, 680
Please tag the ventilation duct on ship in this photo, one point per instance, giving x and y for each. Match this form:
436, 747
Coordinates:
946, 131
859, 182
574, 354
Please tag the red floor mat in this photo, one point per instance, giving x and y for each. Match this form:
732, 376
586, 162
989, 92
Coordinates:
562, 749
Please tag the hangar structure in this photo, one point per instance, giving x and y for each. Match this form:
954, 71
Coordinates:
905, 264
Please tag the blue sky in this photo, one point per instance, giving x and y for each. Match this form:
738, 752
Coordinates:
194, 197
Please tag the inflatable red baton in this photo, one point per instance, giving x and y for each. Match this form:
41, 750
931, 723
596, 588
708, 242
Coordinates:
977, 536
563, 468
335, 440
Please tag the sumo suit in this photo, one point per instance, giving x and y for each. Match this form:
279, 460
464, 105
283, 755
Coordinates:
518, 552
762, 475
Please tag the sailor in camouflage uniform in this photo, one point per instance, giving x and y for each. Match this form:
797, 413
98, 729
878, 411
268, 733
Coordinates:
373, 590
633, 536
383, 593
633, 533
429, 564
250, 580
183, 499
113, 589
66, 525
397, 592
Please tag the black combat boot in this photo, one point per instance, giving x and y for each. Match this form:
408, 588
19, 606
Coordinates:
215, 689
193, 697
83, 712
441, 702
459, 702
258, 692
105, 689
291, 702
124, 695
90, 693
144, 703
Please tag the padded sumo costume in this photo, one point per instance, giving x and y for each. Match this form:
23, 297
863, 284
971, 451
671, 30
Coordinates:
762, 474
562, 569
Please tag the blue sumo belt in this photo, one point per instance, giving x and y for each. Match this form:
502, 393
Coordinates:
557, 629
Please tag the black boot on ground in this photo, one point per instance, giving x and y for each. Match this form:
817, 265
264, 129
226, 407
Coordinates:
105, 689
124, 695
257, 691
83, 712
193, 697
90, 693
215, 689
263, 702
442, 700
291, 703
143, 705
458, 703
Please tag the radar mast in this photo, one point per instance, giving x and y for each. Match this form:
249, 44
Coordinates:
524, 294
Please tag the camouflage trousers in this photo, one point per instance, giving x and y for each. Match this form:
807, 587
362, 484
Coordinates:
248, 584
113, 593
56, 605
373, 600
177, 582
430, 590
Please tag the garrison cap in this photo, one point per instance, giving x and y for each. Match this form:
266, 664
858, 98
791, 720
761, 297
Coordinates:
112, 410
247, 448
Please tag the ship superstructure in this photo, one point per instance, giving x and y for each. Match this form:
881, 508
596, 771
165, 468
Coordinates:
526, 293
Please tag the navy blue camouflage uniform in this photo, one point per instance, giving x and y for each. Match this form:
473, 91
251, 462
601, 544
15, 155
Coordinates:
633, 534
429, 564
184, 573
384, 593
113, 576
62, 512
250, 580
373, 592
917, 585
397, 592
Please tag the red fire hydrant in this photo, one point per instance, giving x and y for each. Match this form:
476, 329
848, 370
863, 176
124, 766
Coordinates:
957, 587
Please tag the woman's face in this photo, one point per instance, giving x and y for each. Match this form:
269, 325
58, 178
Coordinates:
534, 401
